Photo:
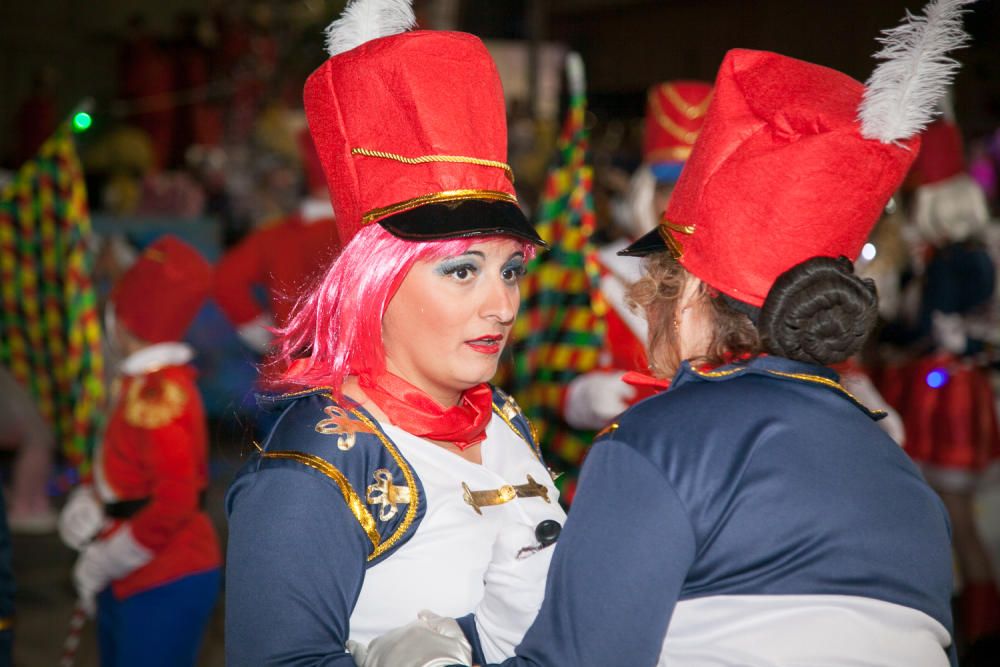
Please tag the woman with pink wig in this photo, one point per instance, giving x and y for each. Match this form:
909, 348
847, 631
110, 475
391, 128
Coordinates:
396, 478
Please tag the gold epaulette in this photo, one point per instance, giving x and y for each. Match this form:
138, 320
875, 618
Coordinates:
153, 402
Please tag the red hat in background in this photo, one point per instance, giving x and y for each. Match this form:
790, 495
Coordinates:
941, 156
159, 296
675, 113
406, 125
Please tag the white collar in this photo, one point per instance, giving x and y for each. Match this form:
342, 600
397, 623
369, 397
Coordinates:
156, 356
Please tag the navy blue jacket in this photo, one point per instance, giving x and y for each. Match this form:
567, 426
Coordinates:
305, 524
764, 478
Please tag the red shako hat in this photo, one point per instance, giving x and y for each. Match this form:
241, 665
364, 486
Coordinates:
160, 294
796, 160
941, 156
780, 174
675, 112
408, 123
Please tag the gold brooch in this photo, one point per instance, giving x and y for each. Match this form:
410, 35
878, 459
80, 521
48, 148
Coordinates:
504, 494
339, 423
386, 495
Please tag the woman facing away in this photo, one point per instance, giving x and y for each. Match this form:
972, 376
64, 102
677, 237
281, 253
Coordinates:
395, 477
754, 513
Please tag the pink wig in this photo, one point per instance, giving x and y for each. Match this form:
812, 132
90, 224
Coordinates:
336, 330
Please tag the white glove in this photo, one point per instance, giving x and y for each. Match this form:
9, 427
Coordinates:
105, 561
595, 398
949, 332
256, 334
82, 517
430, 641
514, 588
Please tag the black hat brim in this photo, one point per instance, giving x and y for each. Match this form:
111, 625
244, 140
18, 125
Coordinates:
469, 218
646, 245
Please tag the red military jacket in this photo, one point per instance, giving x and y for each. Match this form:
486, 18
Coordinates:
284, 257
156, 449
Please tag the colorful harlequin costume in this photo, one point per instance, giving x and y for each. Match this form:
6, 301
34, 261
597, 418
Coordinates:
148, 549
754, 513
675, 112
341, 526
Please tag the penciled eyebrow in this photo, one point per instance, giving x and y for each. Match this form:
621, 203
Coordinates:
477, 253
481, 255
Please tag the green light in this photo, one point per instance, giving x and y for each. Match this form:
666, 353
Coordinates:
82, 121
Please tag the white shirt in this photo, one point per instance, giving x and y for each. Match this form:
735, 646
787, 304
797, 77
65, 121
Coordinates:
443, 567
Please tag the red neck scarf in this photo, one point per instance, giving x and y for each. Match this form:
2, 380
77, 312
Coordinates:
409, 408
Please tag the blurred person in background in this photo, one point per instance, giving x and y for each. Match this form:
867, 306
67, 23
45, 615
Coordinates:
285, 256
948, 404
150, 565
24, 430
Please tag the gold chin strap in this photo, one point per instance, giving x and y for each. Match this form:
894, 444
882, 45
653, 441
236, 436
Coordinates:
505, 494
436, 198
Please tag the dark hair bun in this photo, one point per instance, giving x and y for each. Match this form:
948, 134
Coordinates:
818, 311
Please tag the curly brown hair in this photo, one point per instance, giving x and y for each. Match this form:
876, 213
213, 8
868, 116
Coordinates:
657, 294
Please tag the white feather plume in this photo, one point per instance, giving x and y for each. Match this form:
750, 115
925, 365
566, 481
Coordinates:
901, 96
365, 20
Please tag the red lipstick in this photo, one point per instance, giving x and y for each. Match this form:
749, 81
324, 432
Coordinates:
486, 344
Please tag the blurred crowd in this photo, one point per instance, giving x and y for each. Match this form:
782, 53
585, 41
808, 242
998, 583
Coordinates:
207, 123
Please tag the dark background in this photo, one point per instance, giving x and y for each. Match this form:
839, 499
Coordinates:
626, 44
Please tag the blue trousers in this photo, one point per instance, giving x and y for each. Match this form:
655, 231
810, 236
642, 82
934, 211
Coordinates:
161, 627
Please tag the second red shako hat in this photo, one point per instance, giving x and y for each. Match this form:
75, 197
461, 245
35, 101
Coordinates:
408, 124
941, 156
796, 160
675, 112
160, 294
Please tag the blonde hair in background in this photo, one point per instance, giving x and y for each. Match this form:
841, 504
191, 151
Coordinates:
954, 210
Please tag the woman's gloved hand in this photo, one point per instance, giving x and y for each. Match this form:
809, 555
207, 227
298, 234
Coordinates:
595, 398
430, 641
